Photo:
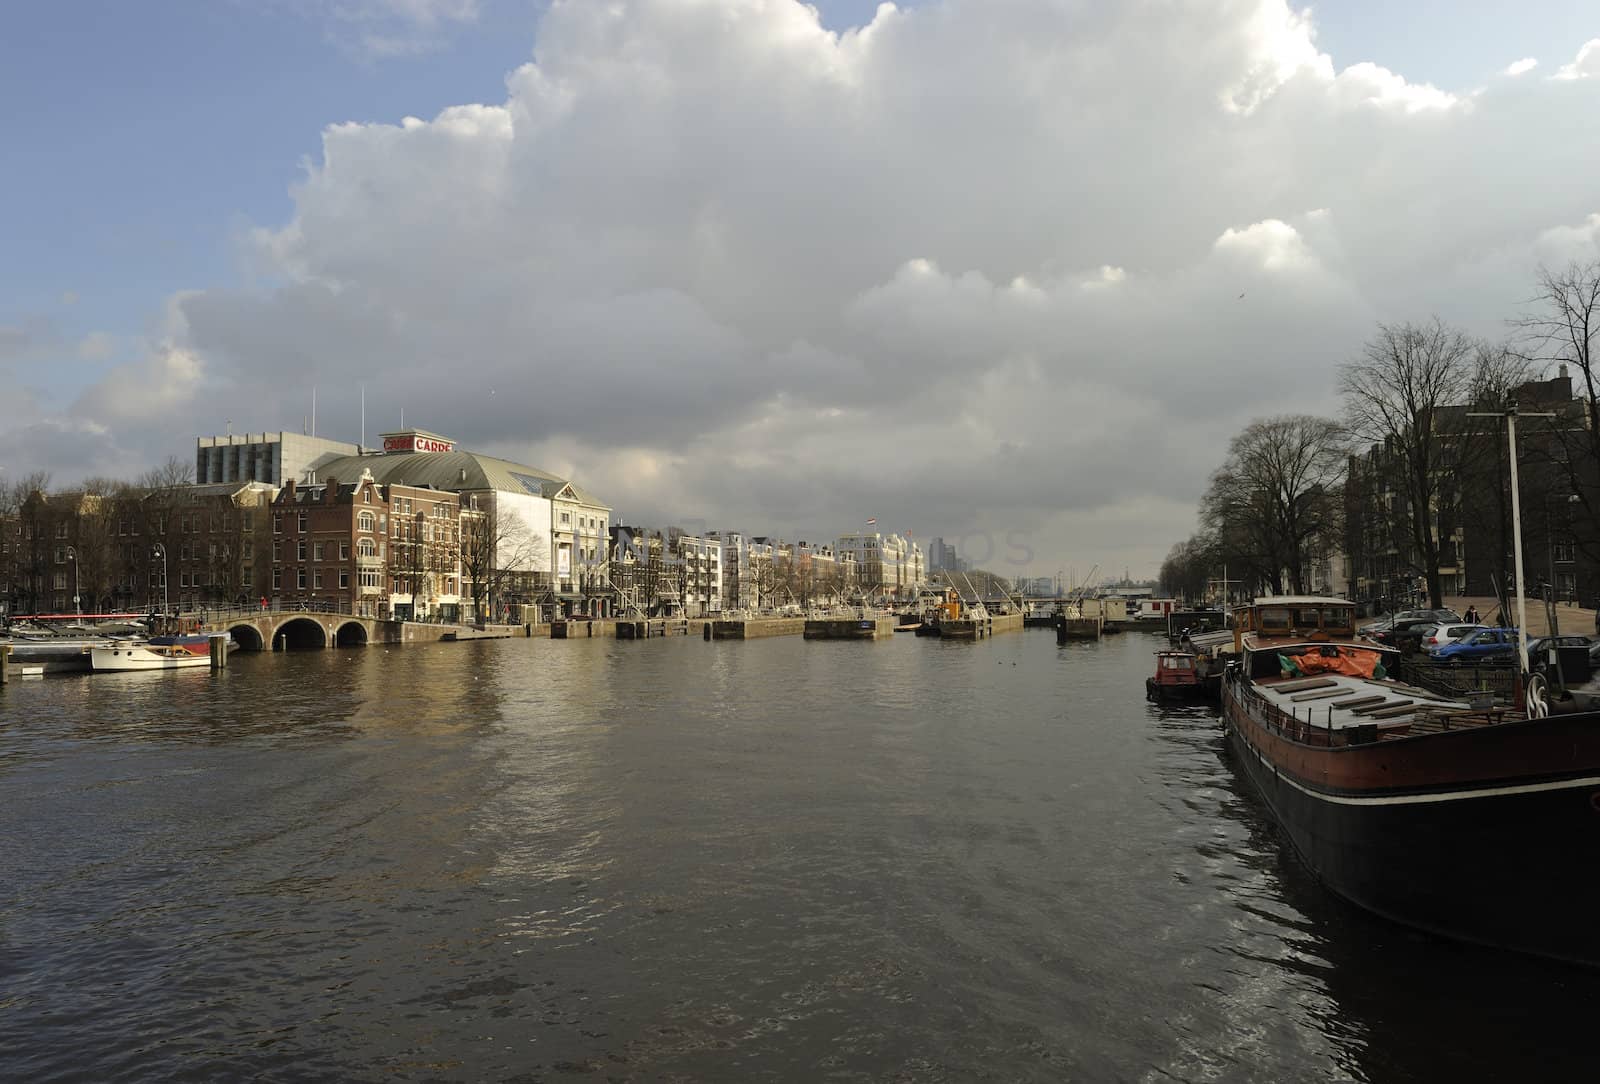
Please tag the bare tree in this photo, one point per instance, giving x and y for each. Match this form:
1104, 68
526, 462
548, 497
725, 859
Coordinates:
1396, 395
1186, 572
1275, 495
1563, 329
497, 554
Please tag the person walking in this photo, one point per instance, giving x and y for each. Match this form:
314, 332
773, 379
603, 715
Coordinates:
1471, 616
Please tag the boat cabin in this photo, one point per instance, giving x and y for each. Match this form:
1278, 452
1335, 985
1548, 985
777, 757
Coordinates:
1294, 617
1176, 672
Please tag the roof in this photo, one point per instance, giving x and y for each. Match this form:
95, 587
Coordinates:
454, 471
1300, 600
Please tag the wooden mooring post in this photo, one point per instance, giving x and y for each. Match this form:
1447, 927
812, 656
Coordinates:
5, 663
219, 653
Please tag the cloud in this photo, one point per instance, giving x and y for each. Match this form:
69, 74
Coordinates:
386, 28
1585, 66
96, 346
1521, 67
971, 267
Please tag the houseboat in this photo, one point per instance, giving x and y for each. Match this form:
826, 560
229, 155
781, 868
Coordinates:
1476, 823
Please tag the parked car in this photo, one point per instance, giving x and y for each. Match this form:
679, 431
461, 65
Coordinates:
1484, 644
1406, 632
1447, 633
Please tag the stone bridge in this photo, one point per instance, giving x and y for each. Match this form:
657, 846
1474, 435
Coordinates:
299, 630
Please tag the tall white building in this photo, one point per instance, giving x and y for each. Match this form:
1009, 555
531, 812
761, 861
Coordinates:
889, 566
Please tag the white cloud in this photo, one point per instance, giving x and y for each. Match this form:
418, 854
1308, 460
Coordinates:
1586, 65
382, 28
96, 346
1521, 67
974, 265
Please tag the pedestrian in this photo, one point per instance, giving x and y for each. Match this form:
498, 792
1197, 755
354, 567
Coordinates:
1471, 616
263, 602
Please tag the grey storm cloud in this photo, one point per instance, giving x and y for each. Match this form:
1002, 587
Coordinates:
975, 264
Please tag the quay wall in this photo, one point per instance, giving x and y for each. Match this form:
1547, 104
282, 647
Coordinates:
755, 628
849, 628
976, 628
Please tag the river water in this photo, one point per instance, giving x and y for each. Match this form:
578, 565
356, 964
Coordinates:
674, 860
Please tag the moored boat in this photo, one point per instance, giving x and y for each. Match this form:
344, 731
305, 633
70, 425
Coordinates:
1175, 676
158, 653
1475, 823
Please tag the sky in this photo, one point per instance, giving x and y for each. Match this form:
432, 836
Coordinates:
1004, 271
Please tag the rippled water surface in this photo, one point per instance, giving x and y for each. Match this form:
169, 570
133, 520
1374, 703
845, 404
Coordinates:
674, 860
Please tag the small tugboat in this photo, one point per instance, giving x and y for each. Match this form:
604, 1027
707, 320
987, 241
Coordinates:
1470, 821
157, 653
1175, 675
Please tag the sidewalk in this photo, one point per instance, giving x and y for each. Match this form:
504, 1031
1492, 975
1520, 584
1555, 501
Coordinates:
1569, 619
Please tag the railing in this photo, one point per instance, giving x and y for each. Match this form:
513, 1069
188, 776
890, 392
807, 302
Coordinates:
1490, 678
276, 606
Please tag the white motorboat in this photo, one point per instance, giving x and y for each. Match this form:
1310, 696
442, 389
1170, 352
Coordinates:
161, 653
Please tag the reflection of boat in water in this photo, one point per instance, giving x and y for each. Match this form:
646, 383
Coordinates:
159, 653
1481, 825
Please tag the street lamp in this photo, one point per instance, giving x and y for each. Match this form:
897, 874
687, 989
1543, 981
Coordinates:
72, 555
158, 550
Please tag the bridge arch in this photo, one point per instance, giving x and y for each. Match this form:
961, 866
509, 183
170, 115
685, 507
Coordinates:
350, 634
300, 634
248, 637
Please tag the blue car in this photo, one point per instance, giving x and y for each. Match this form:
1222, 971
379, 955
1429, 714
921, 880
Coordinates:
1483, 644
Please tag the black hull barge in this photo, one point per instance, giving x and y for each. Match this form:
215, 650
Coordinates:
1474, 824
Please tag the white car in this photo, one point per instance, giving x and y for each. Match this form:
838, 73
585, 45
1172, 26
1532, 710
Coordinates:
1448, 633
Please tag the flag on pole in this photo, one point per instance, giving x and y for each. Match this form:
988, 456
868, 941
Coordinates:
872, 522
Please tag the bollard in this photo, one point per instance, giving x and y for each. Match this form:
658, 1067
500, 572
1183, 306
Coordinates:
5, 663
219, 653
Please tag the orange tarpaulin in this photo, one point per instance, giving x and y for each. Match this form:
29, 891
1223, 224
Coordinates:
1333, 660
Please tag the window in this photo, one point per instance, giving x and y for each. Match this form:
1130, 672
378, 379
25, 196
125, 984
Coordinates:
61, 555
344, 551
61, 529
300, 578
245, 579
316, 577
61, 581
277, 550
367, 548
1563, 551
366, 494
365, 522
300, 550
344, 578
277, 578
317, 550
277, 523
301, 523
248, 550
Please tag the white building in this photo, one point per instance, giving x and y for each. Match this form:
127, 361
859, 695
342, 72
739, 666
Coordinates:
549, 537
889, 566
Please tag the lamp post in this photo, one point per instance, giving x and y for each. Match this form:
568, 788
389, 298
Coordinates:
159, 550
77, 607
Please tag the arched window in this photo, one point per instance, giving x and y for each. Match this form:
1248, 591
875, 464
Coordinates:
364, 522
367, 548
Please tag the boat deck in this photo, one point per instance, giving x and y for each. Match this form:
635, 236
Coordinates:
1338, 702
